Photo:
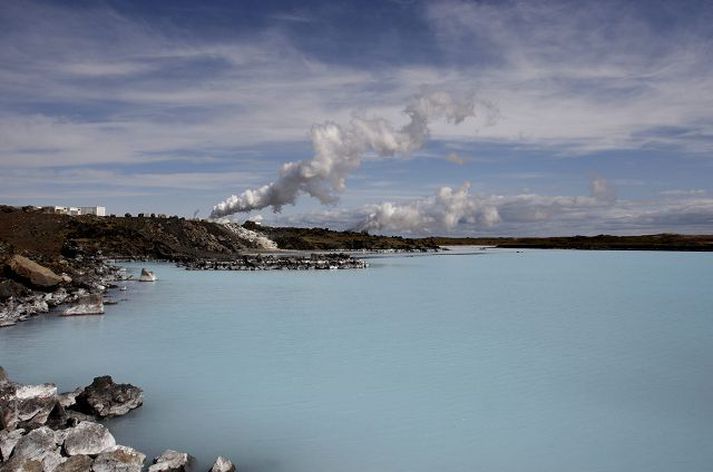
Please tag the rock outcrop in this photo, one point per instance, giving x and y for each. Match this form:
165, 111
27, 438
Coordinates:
87, 438
25, 405
222, 464
42, 432
119, 459
104, 398
171, 461
147, 276
92, 304
33, 273
40, 445
8, 441
20, 302
79, 463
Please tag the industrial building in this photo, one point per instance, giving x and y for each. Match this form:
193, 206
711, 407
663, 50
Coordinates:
76, 211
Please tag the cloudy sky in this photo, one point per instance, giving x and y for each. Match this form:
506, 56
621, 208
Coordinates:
587, 117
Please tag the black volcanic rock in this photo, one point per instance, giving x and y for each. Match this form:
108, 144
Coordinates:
104, 398
10, 288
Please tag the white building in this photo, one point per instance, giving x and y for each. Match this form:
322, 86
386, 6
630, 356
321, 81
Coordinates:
62, 210
95, 210
77, 211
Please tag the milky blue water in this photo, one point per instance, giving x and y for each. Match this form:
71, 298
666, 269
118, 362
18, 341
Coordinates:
534, 361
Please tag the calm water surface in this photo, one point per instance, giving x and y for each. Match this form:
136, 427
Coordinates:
535, 361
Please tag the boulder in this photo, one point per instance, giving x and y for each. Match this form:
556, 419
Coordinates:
52, 460
18, 464
92, 304
119, 459
105, 398
222, 464
8, 440
88, 438
147, 276
79, 463
33, 273
25, 404
171, 461
38, 445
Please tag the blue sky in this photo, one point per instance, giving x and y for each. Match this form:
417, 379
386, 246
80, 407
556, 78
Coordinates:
599, 115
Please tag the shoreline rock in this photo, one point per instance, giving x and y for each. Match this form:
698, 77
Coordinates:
85, 291
104, 398
42, 431
32, 273
119, 458
171, 461
147, 276
92, 304
87, 438
222, 464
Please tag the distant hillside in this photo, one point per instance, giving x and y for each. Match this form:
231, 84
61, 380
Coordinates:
326, 239
44, 237
652, 242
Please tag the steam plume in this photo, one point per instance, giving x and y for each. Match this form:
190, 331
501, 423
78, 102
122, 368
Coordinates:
449, 208
338, 151
445, 210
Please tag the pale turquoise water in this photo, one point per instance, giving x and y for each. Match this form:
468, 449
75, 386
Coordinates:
540, 361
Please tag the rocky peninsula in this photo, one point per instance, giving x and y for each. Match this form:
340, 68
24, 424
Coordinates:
49, 260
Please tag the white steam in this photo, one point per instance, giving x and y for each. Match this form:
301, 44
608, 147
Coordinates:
445, 210
338, 151
449, 209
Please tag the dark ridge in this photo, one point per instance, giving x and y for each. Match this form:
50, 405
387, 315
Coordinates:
326, 239
47, 238
650, 242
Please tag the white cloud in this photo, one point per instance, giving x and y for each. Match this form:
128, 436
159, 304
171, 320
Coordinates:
92, 87
459, 212
689, 192
581, 77
568, 85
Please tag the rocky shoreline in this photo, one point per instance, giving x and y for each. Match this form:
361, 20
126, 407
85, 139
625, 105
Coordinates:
328, 261
31, 289
42, 430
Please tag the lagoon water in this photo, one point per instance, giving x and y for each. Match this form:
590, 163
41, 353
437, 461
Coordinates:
504, 361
